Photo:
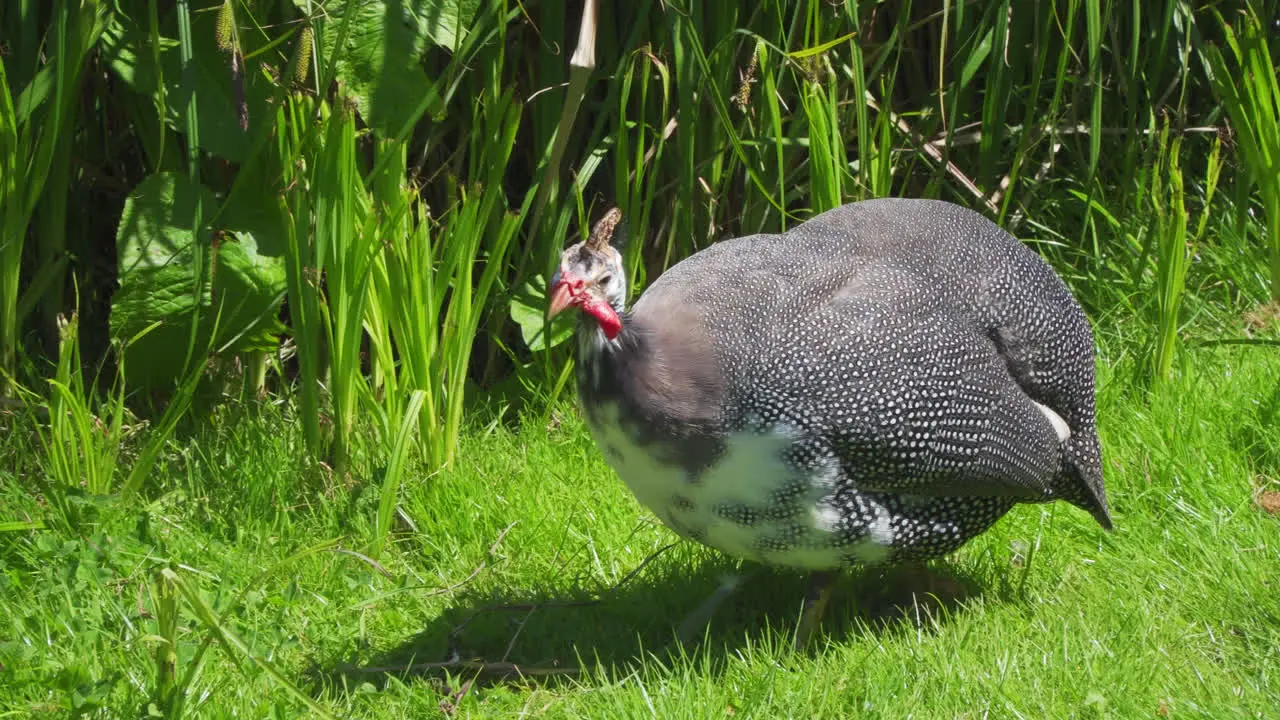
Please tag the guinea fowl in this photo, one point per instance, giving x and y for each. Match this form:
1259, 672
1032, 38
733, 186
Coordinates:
878, 384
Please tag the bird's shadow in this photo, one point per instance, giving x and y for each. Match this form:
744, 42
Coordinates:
555, 633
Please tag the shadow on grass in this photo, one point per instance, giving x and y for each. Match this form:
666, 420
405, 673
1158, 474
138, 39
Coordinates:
546, 637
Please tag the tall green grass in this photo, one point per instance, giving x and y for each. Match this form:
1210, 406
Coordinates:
37, 121
81, 426
81, 443
421, 172
1249, 86
345, 243
1175, 242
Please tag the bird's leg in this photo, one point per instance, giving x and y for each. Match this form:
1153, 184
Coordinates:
692, 627
821, 583
929, 585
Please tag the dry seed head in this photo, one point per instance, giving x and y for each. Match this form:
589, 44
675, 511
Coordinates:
602, 233
237, 83
302, 55
226, 22
748, 77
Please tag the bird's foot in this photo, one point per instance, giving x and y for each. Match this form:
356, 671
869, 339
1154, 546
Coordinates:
815, 604
927, 585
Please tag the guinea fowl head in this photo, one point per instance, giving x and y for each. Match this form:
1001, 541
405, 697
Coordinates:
591, 278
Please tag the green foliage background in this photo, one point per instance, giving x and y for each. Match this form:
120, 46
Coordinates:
348, 203
262, 262
701, 121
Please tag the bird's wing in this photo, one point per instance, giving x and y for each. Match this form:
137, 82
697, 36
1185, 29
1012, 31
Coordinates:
909, 396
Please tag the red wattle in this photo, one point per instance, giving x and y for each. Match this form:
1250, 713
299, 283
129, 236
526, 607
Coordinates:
609, 321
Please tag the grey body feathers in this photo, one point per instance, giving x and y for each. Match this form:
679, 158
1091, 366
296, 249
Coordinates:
909, 343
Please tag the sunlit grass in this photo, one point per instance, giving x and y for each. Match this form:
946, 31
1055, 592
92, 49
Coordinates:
247, 571
352, 507
1176, 610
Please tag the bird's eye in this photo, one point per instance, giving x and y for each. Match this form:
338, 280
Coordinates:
604, 279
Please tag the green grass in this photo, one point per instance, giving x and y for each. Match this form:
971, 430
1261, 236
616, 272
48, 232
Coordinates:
213, 564
1177, 610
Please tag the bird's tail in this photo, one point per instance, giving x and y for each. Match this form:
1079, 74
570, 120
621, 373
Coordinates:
1081, 478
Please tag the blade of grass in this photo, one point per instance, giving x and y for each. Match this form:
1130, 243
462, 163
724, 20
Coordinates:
407, 424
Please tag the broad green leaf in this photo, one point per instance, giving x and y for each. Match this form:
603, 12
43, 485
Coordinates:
380, 58
126, 47
249, 275
157, 280
442, 22
154, 246
248, 286
529, 311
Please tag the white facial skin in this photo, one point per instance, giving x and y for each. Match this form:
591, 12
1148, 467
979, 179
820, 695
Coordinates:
592, 280
612, 281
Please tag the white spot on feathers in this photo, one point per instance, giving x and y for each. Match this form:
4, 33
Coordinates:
882, 528
826, 518
748, 475
878, 543
1059, 425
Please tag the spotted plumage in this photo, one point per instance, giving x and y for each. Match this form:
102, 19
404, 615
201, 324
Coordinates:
880, 383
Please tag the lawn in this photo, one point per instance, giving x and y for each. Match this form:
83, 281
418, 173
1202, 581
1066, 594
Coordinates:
336, 220
517, 584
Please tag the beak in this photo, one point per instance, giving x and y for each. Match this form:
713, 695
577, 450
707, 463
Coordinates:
561, 296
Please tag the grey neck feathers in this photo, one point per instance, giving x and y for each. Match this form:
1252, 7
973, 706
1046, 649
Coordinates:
602, 362
670, 379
